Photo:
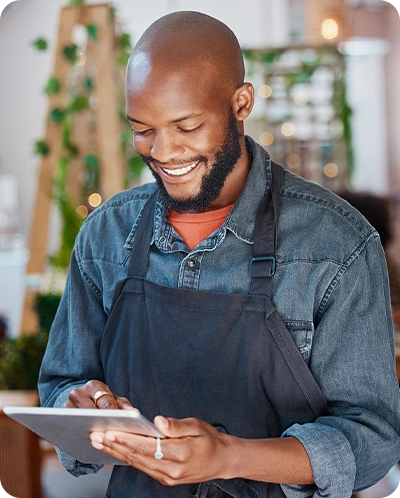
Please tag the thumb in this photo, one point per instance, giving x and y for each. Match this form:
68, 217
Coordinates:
173, 427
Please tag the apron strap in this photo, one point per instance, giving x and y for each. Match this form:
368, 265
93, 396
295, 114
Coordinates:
263, 263
142, 239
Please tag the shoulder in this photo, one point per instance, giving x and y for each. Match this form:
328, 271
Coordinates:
126, 203
320, 222
110, 224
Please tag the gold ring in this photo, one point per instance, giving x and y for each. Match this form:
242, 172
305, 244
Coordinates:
100, 394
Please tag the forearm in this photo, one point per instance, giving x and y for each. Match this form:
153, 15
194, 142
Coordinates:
278, 460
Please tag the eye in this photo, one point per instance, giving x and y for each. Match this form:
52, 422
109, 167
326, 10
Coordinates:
191, 130
137, 133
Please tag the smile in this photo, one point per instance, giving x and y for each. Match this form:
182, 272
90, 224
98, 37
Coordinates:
180, 171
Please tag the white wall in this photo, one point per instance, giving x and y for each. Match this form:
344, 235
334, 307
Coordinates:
24, 71
366, 94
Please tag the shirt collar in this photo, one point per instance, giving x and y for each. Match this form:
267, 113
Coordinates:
240, 219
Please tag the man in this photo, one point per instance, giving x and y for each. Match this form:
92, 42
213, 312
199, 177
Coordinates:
246, 307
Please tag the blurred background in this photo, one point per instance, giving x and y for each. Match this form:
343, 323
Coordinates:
327, 81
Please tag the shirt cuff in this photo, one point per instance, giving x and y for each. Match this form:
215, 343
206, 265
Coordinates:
73, 466
332, 461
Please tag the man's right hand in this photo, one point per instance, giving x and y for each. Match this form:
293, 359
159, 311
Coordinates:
87, 396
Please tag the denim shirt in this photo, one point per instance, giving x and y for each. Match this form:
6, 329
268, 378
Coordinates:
330, 288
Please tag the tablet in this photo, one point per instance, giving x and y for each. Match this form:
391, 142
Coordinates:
69, 428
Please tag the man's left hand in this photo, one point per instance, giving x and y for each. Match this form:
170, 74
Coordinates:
193, 451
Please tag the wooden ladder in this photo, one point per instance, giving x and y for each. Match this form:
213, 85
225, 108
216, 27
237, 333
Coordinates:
102, 57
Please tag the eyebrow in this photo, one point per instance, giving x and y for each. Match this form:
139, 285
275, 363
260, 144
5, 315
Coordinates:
178, 120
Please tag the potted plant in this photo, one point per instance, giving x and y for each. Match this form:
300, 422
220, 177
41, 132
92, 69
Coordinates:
20, 360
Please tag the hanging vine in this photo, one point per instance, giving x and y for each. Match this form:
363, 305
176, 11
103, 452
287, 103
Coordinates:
286, 69
73, 211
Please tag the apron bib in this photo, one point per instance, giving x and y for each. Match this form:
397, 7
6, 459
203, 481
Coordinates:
227, 359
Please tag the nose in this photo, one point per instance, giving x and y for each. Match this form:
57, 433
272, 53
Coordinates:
165, 148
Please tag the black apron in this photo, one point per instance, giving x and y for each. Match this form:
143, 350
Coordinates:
227, 359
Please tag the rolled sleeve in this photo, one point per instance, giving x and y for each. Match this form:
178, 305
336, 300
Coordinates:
332, 461
70, 464
352, 359
76, 332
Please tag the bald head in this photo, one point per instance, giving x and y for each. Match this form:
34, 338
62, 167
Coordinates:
187, 40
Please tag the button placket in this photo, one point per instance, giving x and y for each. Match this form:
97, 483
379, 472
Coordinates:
190, 272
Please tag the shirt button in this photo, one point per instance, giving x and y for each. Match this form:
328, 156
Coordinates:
191, 263
162, 239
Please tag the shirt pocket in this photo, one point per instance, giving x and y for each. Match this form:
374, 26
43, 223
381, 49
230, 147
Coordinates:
302, 333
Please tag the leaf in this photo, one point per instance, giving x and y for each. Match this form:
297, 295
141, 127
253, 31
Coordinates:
91, 162
40, 44
78, 103
76, 2
41, 148
135, 168
57, 115
91, 177
124, 41
89, 83
122, 58
70, 53
53, 86
72, 149
92, 31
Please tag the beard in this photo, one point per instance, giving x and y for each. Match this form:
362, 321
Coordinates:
212, 183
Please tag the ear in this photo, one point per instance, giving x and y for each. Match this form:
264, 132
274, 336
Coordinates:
243, 101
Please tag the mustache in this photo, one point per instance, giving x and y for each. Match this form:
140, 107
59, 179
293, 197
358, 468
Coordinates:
150, 160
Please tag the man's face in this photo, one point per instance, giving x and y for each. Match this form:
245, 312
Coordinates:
187, 134
216, 169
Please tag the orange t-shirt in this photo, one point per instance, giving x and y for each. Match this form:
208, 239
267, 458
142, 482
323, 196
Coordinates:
195, 227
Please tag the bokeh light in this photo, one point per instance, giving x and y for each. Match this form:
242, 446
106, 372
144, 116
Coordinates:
95, 200
331, 170
293, 161
266, 138
82, 211
329, 29
288, 129
265, 91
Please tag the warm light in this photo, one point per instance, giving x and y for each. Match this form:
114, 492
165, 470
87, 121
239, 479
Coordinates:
293, 161
94, 200
265, 91
301, 98
82, 211
81, 58
329, 29
288, 129
331, 170
266, 138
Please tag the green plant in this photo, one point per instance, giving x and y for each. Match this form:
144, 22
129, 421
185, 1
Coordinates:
22, 356
309, 73
77, 97
46, 306
21, 360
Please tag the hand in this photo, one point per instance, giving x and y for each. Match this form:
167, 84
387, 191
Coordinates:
83, 397
194, 451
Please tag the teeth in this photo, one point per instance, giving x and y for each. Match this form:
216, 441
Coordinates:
180, 171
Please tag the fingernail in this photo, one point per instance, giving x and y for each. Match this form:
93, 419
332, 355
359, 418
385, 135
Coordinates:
110, 436
97, 445
162, 423
97, 438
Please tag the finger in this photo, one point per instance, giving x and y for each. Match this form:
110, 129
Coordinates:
100, 395
104, 400
178, 428
129, 447
90, 396
124, 403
